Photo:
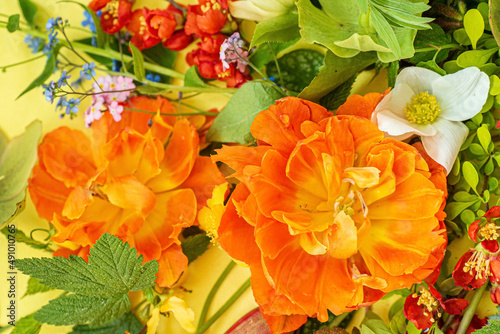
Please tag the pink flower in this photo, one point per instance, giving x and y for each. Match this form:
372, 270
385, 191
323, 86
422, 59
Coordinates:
231, 52
116, 110
93, 112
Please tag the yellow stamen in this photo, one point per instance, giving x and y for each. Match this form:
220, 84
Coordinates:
423, 109
489, 231
479, 263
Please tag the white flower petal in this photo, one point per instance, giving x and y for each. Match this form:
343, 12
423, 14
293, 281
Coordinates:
418, 78
397, 126
461, 95
395, 101
445, 145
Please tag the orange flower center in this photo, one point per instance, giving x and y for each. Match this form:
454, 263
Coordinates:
489, 231
479, 263
111, 10
427, 300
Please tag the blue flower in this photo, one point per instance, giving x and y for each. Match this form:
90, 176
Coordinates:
34, 43
88, 22
153, 77
49, 91
63, 79
60, 103
71, 106
116, 66
52, 39
52, 24
88, 71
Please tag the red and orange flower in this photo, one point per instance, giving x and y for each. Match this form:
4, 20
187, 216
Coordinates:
143, 184
328, 214
115, 13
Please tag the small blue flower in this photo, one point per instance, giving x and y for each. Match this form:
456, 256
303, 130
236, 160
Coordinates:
153, 77
34, 43
52, 39
60, 103
63, 79
88, 22
116, 66
52, 24
49, 91
71, 106
273, 79
88, 71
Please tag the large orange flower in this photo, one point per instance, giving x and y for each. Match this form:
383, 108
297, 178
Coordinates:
140, 183
329, 215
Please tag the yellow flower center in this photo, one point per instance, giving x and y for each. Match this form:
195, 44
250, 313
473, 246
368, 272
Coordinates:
423, 109
212, 4
427, 300
111, 9
489, 231
480, 264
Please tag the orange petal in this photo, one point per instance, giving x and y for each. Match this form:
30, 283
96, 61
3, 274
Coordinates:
362, 106
284, 323
124, 153
128, 193
76, 203
172, 263
343, 241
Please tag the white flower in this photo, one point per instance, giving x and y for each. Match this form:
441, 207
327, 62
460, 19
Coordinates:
433, 107
260, 10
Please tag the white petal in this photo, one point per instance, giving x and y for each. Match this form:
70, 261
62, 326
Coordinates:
418, 78
397, 126
461, 95
444, 146
396, 100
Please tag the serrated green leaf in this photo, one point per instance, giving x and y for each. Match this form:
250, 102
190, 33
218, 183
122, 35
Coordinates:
78, 309
385, 31
475, 57
195, 246
283, 28
338, 96
232, 125
470, 174
474, 26
21, 237
495, 19
453, 209
48, 70
16, 161
113, 270
29, 10
138, 58
493, 326
27, 325
127, 322
334, 72
266, 52
193, 79
34, 287
298, 68
13, 23
100, 34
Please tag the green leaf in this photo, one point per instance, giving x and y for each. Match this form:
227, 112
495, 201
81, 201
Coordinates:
484, 136
29, 10
100, 34
470, 174
475, 57
460, 35
232, 125
162, 56
283, 28
467, 216
398, 323
78, 309
127, 322
435, 37
27, 325
431, 65
385, 31
139, 71
396, 307
410, 327
392, 73
489, 167
453, 209
21, 237
464, 196
494, 85
402, 18
404, 5
149, 90
493, 326
363, 5
266, 52
334, 72
13, 23
113, 270
193, 79
17, 158
477, 149
374, 326
492, 184
48, 70
195, 246
338, 96
298, 68
495, 19
474, 26
34, 287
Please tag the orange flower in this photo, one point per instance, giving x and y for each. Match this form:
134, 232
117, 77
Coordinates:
328, 214
141, 184
362, 106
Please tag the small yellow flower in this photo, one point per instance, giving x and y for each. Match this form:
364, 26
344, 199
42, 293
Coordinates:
181, 312
209, 217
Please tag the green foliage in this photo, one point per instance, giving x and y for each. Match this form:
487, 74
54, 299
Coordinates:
34, 287
338, 96
192, 78
162, 56
13, 23
494, 20
470, 174
410, 327
27, 325
297, 68
29, 10
474, 26
100, 34
431, 65
21, 237
475, 57
493, 326
99, 288
398, 323
48, 70
392, 73
374, 326
267, 52
334, 72
195, 246
17, 158
232, 125
138, 58
127, 322
314, 326
283, 28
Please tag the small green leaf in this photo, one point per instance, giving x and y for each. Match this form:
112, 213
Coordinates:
48, 70
494, 85
467, 216
27, 325
477, 149
484, 136
266, 52
232, 125
13, 23
192, 78
298, 68
34, 287
149, 90
195, 246
398, 323
21, 237
460, 35
475, 57
410, 327
127, 322
396, 307
139, 71
464, 196
392, 73
474, 26
435, 37
453, 209
486, 196
492, 184
495, 19
29, 10
431, 65
100, 34
470, 174
283, 28
489, 167
338, 96
374, 326
385, 31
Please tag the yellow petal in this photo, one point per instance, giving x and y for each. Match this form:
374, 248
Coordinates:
343, 243
181, 312
153, 321
363, 177
210, 216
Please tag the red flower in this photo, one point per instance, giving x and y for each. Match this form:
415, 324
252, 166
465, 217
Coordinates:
472, 270
178, 41
232, 76
142, 37
207, 56
207, 18
115, 13
425, 307
161, 23
486, 230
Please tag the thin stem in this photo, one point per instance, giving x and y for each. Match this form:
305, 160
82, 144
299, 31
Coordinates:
71, 46
447, 323
471, 309
212, 292
124, 67
276, 63
23, 62
207, 113
176, 5
224, 307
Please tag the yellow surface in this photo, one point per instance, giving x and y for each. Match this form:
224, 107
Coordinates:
16, 114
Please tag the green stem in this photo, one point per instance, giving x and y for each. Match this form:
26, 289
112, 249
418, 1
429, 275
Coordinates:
338, 320
276, 63
224, 307
434, 48
207, 113
471, 309
212, 292
23, 62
